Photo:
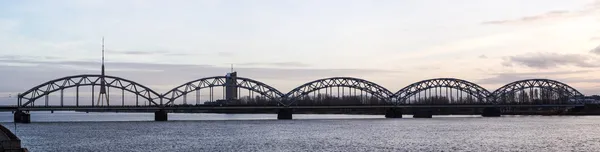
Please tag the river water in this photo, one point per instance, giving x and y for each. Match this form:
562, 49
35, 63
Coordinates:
73, 131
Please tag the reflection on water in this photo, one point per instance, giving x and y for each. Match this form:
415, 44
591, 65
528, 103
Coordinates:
71, 116
71, 131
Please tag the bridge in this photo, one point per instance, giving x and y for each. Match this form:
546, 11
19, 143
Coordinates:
239, 94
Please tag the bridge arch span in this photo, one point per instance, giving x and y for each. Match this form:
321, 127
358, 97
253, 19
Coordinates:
304, 90
535, 91
55, 85
220, 81
452, 87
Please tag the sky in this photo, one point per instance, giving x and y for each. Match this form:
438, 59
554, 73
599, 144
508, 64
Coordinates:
286, 43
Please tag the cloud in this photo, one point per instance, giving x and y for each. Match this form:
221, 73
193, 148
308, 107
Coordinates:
550, 60
8, 25
589, 8
225, 54
503, 78
136, 52
507, 64
156, 52
9, 57
593, 6
428, 67
158, 76
546, 16
508, 77
596, 50
579, 80
276, 64
483, 56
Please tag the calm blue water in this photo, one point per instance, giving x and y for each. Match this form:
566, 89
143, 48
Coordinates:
71, 131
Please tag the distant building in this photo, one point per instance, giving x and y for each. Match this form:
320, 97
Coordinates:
594, 99
231, 88
216, 103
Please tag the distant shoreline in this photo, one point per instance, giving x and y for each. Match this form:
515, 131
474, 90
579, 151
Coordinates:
580, 112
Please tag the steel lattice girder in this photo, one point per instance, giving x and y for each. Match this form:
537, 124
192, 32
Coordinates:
371, 88
364, 85
548, 84
458, 84
241, 82
88, 80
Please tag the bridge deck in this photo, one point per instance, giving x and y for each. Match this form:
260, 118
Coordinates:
71, 108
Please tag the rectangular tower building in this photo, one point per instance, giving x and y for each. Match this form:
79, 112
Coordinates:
231, 87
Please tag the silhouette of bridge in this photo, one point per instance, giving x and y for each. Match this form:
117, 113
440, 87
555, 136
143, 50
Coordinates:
222, 93
422, 99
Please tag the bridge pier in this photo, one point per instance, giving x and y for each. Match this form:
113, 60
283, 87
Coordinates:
161, 115
576, 109
22, 117
284, 114
393, 113
422, 113
491, 112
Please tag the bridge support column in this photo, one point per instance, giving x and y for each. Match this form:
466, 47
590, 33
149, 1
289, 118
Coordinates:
491, 112
160, 115
284, 114
393, 113
422, 113
22, 117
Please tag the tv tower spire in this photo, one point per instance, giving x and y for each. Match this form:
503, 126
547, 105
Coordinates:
103, 94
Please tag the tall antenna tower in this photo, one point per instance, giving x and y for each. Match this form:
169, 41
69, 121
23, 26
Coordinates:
103, 95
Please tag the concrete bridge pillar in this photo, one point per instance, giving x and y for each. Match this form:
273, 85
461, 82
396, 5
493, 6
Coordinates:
422, 113
22, 117
491, 112
284, 114
9, 142
160, 115
393, 113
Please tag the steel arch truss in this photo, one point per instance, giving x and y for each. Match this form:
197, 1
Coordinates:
88, 80
462, 85
364, 85
564, 91
217, 81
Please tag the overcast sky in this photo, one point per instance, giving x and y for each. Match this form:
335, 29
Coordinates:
394, 43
